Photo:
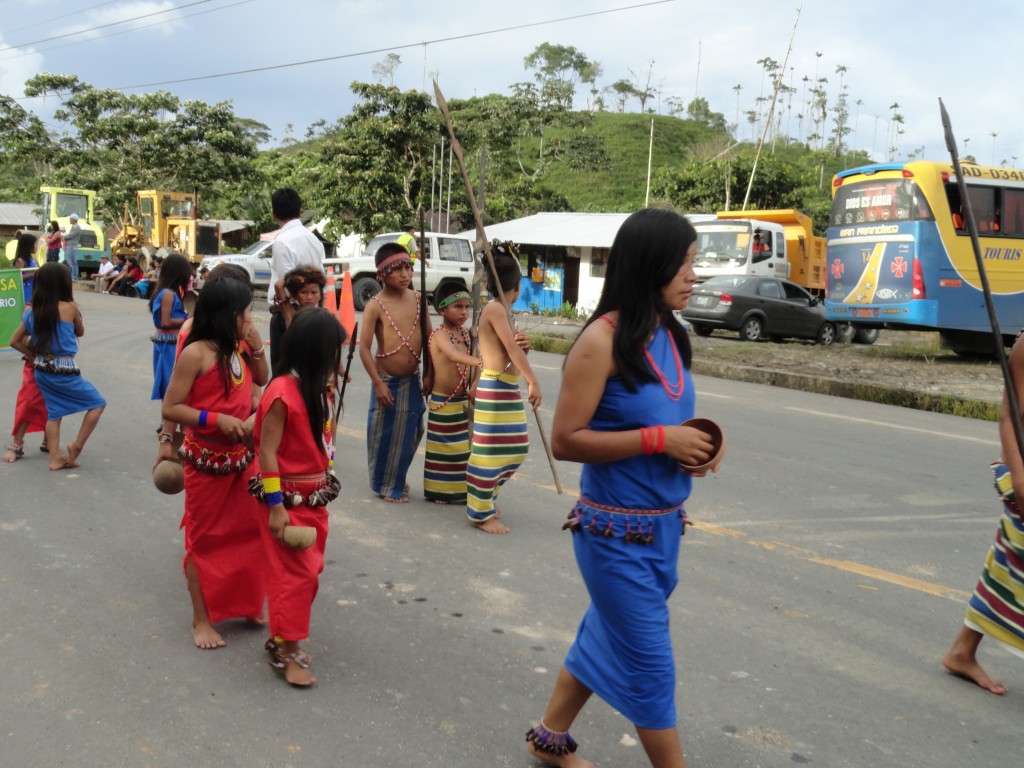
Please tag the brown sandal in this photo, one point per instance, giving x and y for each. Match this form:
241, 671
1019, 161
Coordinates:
279, 660
16, 451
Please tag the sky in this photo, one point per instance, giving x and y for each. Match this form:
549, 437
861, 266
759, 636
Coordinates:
908, 53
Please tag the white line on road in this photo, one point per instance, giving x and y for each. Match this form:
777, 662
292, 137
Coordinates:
874, 422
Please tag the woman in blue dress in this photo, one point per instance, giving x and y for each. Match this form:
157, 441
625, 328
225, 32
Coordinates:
168, 311
24, 260
48, 337
626, 388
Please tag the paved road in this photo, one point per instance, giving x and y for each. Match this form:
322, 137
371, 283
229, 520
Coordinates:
825, 576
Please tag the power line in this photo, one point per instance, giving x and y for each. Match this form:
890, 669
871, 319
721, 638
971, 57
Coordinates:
111, 24
388, 48
62, 17
115, 34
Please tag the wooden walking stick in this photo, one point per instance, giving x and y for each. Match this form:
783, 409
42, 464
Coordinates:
348, 366
481, 236
424, 336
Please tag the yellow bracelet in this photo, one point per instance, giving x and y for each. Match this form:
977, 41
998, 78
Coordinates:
271, 484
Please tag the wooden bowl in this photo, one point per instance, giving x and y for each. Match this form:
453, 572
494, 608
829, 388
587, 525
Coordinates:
714, 431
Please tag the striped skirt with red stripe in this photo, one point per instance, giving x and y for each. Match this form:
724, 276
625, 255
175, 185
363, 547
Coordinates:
997, 606
500, 442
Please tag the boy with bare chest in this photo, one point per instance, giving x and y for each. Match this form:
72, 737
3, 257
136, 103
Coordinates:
395, 421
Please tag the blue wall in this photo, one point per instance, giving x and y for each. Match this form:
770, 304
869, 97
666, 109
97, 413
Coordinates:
546, 295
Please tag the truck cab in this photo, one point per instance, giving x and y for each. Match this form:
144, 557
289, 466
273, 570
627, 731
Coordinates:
741, 247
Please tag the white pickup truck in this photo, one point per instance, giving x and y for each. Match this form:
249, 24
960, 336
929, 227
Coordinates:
449, 258
255, 260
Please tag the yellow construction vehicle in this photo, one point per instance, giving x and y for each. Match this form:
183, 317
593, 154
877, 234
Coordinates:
163, 222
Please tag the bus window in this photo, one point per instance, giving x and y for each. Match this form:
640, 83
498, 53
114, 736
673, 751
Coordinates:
1013, 212
983, 206
879, 200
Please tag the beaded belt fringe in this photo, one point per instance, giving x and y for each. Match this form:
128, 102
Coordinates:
601, 520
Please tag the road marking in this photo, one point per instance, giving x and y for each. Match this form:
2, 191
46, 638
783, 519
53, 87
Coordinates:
859, 569
876, 423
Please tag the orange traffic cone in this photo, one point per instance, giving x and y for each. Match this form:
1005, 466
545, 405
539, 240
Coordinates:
347, 307
330, 301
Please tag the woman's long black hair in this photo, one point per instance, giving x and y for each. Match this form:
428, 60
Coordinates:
646, 255
52, 286
216, 320
311, 347
175, 273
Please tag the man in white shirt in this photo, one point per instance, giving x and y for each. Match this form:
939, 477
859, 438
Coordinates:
106, 270
294, 246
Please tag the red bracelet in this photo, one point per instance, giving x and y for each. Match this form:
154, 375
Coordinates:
661, 439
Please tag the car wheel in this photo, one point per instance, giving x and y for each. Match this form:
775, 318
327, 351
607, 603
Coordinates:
865, 336
752, 329
827, 334
845, 333
702, 330
364, 289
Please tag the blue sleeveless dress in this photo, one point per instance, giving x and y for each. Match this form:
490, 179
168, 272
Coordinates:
627, 527
164, 344
64, 389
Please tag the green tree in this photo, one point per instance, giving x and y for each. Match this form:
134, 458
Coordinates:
117, 143
557, 69
370, 172
700, 111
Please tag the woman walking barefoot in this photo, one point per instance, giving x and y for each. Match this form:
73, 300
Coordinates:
48, 338
626, 387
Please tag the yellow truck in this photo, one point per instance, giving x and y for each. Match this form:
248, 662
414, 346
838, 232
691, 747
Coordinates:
166, 220
774, 243
57, 204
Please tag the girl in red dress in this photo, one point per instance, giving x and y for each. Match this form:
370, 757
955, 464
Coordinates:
295, 438
210, 394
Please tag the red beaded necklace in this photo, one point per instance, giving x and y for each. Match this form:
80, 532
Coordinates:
674, 391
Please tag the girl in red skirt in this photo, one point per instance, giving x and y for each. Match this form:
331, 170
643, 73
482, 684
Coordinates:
295, 439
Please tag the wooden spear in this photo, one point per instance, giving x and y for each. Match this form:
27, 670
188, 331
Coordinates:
481, 236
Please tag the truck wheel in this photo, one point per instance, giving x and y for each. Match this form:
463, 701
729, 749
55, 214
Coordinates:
702, 330
865, 336
752, 329
845, 333
827, 334
364, 289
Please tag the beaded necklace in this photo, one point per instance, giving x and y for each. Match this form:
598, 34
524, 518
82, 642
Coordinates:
462, 369
674, 391
404, 339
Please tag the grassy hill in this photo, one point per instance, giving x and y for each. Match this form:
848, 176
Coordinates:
626, 137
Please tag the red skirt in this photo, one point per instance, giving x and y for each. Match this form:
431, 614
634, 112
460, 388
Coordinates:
29, 407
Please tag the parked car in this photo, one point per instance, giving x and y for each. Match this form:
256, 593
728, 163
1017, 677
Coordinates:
255, 259
757, 307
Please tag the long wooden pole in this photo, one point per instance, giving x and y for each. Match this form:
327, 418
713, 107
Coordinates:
972, 228
481, 237
424, 336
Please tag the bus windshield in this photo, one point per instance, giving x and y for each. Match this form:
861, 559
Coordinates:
879, 200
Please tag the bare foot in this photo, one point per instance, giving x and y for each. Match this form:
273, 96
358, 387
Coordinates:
438, 501
968, 668
59, 462
570, 760
399, 500
493, 525
298, 675
14, 452
206, 637
73, 451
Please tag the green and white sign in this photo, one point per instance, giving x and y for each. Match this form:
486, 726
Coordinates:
12, 304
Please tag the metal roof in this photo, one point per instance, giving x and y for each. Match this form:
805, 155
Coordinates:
19, 214
596, 230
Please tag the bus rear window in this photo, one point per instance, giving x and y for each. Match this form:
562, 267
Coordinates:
879, 200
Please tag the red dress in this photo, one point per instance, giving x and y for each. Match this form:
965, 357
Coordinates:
293, 574
29, 406
222, 522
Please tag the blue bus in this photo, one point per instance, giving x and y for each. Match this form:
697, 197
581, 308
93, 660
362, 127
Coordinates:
899, 255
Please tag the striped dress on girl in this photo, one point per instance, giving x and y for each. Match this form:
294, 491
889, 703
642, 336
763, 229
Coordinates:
444, 470
997, 606
500, 442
